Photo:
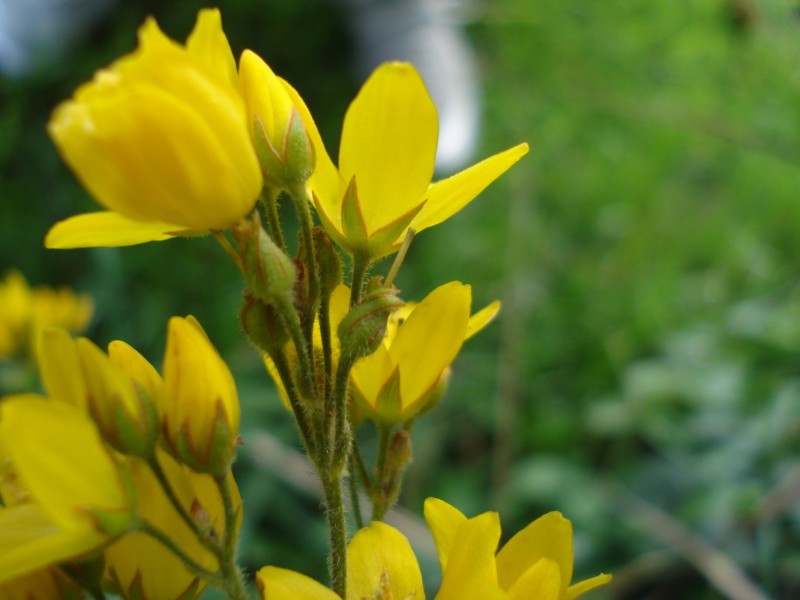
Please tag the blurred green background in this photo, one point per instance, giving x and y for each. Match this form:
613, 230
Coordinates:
643, 377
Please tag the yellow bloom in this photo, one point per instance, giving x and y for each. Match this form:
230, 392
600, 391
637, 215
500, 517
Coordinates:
26, 312
383, 184
76, 499
403, 375
381, 566
160, 139
122, 396
535, 563
201, 405
284, 149
140, 566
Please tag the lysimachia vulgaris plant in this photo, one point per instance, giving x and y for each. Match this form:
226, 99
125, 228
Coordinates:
117, 479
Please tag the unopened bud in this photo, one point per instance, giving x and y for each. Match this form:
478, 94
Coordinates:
269, 272
329, 264
363, 328
262, 324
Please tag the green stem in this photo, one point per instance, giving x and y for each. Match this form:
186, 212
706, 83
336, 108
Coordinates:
334, 510
306, 430
380, 504
196, 569
229, 250
292, 321
301, 204
339, 442
208, 544
353, 487
269, 198
327, 348
232, 576
360, 267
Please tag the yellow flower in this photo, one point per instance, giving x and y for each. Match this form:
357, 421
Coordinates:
121, 395
284, 149
535, 563
26, 312
160, 139
381, 566
75, 495
405, 374
386, 157
140, 566
201, 405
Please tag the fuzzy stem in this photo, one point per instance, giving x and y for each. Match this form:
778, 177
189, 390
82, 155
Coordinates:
232, 576
269, 198
306, 430
301, 201
360, 267
334, 510
353, 488
380, 503
229, 250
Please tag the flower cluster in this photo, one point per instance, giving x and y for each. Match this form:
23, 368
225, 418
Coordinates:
26, 312
108, 471
119, 479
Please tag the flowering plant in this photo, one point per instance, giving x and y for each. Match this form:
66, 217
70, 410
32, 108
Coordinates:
118, 479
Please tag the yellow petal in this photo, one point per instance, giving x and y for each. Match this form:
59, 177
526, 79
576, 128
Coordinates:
430, 339
138, 368
586, 585
470, 572
381, 551
57, 452
265, 98
371, 373
389, 143
208, 44
103, 229
283, 584
447, 197
549, 536
482, 318
198, 391
31, 540
60, 368
541, 581
443, 521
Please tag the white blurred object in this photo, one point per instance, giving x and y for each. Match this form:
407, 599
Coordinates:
35, 32
430, 35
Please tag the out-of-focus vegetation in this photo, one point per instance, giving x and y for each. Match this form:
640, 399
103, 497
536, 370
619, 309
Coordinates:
643, 378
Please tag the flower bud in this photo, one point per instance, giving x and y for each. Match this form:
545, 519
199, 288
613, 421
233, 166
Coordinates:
201, 405
125, 413
269, 272
262, 324
284, 149
329, 264
363, 328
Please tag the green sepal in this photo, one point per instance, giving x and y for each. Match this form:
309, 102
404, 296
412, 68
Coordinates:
290, 164
382, 241
135, 435
353, 226
217, 453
